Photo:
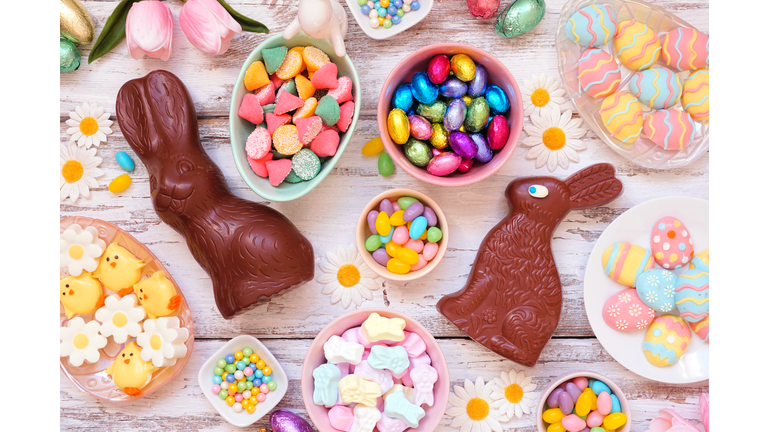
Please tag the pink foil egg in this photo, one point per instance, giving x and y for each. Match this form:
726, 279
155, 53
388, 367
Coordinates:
421, 128
438, 69
466, 164
444, 164
498, 132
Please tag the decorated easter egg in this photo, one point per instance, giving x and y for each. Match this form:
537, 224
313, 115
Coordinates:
672, 128
398, 127
438, 68
622, 115
599, 74
692, 291
695, 97
666, 340
624, 262
656, 289
685, 49
625, 312
701, 329
403, 98
592, 26
637, 46
454, 116
671, 243
656, 87
423, 89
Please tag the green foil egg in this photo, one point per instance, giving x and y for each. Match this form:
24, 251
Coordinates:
478, 113
417, 152
519, 17
439, 138
434, 112
69, 56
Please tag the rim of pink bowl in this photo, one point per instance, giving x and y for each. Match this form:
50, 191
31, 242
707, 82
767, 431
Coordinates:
493, 66
442, 389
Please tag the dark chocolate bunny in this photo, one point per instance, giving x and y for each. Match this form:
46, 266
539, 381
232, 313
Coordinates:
251, 251
512, 300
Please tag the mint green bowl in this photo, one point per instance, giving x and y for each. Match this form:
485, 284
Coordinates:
239, 129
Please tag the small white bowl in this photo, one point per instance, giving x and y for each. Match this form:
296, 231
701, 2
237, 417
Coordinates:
243, 419
409, 20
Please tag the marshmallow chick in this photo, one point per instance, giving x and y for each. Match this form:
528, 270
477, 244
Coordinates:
327, 377
365, 418
424, 378
119, 269
393, 358
354, 389
377, 328
337, 350
397, 406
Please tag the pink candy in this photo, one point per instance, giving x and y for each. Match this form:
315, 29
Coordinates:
308, 129
430, 251
239, 397
325, 77
604, 403
351, 335
582, 383
258, 144
326, 143
414, 245
420, 264
444, 164
259, 165
261, 397
573, 423
413, 344
250, 109
347, 111
274, 121
341, 418
216, 389
400, 235
288, 102
342, 93
264, 389
595, 419
265, 95
247, 371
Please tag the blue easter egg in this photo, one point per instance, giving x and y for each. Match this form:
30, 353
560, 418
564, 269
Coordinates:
692, 291
497, 99
124, 161
656, 87
591, 26
423, 89
403, 98
656, 288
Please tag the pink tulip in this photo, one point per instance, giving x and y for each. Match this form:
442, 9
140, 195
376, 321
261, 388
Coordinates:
149, 30
208, 26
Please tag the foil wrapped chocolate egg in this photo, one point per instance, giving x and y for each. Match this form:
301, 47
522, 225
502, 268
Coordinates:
477, 86
463, 67
69, 56
433, 112
438, 68
484, 152
420, 127
423, 89
417, 152
403, 98
398, 127
286, 421
439, 137
466, 164
498, 132
467, 99
462, 144
497, 99
453, 88
478, 113
444, 164
454, 116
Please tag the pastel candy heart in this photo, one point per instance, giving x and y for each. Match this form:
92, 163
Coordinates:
389, 424
325, 77
337, 350
394, 358
377, 328
308, 129
424, 378
328, 110
327, 377
273, 57
278, 170
346, 111
341, 417
354, 389
274, 121
250, 109
397, 406
382, 378
365, 418
266, 94
259, 165
287, 102
413, 344
326, 143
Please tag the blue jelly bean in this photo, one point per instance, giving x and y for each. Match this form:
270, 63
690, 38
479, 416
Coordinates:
124, 161
398, 3
418, 226
415, 5
217, 379
615, 404
266, 379
381, 11
387, 238
395, 19
599, 387
257, 382
392, 10
240, 365
258, 373
230, 359
230, 378
251, 378
365, 9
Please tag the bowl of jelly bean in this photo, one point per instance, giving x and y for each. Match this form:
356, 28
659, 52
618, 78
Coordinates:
316, 357
429, 140
416, 239
381, 19
583, 401
243, 380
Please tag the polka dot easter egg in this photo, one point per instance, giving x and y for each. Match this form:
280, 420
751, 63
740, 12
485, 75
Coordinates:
592, 26
656, 289
692, 290
624, 311
671, 243
666, 340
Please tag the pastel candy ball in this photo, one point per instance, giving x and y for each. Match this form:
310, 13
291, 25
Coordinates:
666, 340
636, 44
624, 262
656, 87
622, 116
592, 26
599, 74
692, 290
671, 243
672, 129
685, 49
624, 311
695, 97
656, 288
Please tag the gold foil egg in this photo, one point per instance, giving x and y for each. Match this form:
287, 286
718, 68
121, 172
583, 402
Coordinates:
75, 24
463, 66
439, 137
398, 126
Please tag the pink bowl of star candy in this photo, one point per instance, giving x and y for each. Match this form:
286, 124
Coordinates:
375, 367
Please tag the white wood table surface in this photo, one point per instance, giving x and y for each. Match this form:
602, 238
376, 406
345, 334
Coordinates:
327, 216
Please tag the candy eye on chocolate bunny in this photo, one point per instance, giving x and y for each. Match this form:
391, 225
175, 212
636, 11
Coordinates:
184, 166
538, 191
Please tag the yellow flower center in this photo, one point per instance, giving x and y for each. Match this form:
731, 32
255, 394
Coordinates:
155, 342
119, 319
553, 138
513, 393
89, 126
348, 275
72, 171
76, 251
539, 97
478, 409
80, 341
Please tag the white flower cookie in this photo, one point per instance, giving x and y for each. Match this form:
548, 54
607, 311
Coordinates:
81, 342
80, 249
162, 341
120, 317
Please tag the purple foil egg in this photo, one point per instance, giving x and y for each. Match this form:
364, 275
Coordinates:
454, 116
286, 421
466, 164
444, 164
498, 132
386, 207
462, 144
439, 68
381, 256
421, 128
453, 88
477, 86
484, 152
372, 215
413, 211
431, 216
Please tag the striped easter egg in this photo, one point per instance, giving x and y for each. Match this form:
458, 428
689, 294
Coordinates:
701, 329
637, 46
685, 49
592, 26
672, 129
656, 87
695, 96
622, 116
625, 262
666, 340
599, 73
692, 290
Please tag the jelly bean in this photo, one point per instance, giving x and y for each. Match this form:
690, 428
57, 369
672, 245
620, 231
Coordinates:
434, 234
604, 404
400, 237
387, 238
386, 165
615, 420
373, 243
593, 398
418, 227
414, 245
594, 419
420, 264
124, 161
573, 391
386, 206
120, 183
397, 266
372, 215
396, 206
591, 380
552, 400
597, 429
391, 249
413, 211
599, 387
431, 216
373, 147
397, 218
405, 202
581, 383
565, 402
430, 251
552, 415
615, 404
382, 224
221, 363
381, 256
572, 423
407, 256
555, 427
583, 404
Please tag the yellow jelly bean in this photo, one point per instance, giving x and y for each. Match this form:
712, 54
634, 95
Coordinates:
398, 126
552, 415
120, 183
556, 427
583, 404
373, 147
391, 249
615, 420
408, 256
423, 235
397, 218
383, 227
592, 398
397, 266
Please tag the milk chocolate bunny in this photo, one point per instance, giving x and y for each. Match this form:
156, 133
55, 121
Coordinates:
512, 300
250, 250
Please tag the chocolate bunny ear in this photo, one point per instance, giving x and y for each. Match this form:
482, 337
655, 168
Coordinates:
593, 186
132, 118
173, 112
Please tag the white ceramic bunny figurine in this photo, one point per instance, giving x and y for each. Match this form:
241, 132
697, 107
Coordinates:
321, 19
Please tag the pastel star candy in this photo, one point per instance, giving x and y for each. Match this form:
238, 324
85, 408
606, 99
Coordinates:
383, 378
393, 358
365, 418
377, 328
341, 417
414, 344
354, 389
337, 350
389, 424
424, 378
397, 406
327, 377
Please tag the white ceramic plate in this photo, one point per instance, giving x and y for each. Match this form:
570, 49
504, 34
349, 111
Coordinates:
409, 20
635, 226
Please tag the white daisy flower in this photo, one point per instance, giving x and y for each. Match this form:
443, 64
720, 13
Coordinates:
471, 408
666, 307
78, 171
347, 278
651, 297
613, 310
81, 342
120, 317
669, 290
634, 310
668, 276
642, 324
652, 280
624, 297
541, 91
513, 395
554, 139
622, 324
80, 249
88, 125
163, 341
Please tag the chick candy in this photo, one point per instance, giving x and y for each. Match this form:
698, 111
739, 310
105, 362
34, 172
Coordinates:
158, 295
119, 269
129, 372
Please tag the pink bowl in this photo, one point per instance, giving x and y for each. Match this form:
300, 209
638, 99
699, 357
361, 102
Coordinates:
316, 357
497, 74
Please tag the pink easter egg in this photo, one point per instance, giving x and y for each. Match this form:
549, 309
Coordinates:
595, 419
672, 129
430, 251
604, 403
400, 237
671, 243
415, 245
625, 312
599, 74
685, 49
581, 383
573, 423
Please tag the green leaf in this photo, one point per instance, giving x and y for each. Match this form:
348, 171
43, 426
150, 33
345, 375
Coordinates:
113, 32
248, 24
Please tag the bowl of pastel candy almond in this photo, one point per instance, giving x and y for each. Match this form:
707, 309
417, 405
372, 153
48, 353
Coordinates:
375, 368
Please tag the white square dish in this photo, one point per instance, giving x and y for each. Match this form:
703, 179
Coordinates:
409, 20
